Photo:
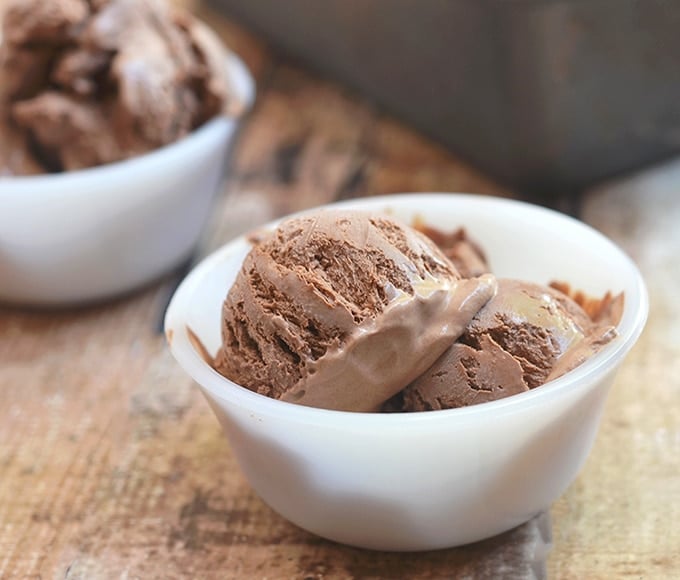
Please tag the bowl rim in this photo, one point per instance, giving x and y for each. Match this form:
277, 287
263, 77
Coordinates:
582, 377
244, 86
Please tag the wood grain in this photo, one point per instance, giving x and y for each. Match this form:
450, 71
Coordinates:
113, 466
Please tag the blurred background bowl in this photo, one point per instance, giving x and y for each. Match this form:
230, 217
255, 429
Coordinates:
436, 479
91, 234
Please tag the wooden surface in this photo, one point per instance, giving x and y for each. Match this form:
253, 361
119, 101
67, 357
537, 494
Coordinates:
112, 465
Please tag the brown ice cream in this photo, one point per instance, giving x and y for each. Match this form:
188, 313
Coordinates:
341, 310
88, 82
348, 311
606, 310
464, 375
525, 336
15, 158
466, 254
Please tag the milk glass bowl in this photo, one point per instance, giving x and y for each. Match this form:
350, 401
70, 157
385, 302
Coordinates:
94, 233
429, 480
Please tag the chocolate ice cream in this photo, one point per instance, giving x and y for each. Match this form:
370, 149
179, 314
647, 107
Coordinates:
525, 336
86, 83
15, 158
462, 376
341, 310
350, 311
466, 254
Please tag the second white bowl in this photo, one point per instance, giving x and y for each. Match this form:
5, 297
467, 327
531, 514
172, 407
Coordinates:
94, 233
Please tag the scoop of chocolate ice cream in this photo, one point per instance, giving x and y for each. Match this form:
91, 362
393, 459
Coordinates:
341, 310
92, 82
534, 323
463, 376
526, 335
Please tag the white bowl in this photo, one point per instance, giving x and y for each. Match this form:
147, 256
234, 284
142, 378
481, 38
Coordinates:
90, 234
436, 479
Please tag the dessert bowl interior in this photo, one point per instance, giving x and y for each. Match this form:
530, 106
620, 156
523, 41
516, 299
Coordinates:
428, 480
90, 234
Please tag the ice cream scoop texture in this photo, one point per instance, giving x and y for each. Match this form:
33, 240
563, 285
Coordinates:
342, 310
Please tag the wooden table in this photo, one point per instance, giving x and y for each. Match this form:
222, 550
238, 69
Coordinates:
112, 465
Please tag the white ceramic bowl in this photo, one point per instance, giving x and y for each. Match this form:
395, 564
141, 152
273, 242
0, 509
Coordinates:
436, 479
94, 233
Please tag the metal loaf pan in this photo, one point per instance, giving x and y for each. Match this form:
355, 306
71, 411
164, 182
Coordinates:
546, 95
